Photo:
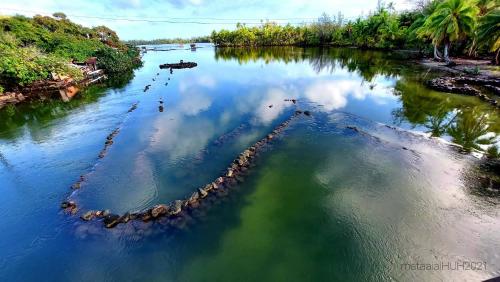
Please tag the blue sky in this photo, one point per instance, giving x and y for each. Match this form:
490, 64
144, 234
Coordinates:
216, 14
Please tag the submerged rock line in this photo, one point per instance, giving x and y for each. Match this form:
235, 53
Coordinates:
234, 174
70, 206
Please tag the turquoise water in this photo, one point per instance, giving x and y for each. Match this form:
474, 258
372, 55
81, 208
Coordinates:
325, 202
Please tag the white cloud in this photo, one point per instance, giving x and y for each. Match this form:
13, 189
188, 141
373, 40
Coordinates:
333, 94
191, 9
274, 97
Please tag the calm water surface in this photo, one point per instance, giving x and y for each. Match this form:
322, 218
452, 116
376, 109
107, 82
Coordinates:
323, 203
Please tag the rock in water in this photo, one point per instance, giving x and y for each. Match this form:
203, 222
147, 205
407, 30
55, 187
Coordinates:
125, 218
158, 210
176, 207
111, 220
202, 193
88, 215
194, 198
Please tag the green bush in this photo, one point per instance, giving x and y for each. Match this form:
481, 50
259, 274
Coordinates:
32, 49
25, 65
115, 61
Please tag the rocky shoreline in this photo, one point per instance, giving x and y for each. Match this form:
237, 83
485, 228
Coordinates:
64, 88
233, 175
467, 86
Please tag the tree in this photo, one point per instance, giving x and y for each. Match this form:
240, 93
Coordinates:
418, 30
59, 15
452, 20
489, 32
487, 5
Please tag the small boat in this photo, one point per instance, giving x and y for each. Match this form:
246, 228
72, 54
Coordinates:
180, 65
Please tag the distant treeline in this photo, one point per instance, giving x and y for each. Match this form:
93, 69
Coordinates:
200, 39
455, 26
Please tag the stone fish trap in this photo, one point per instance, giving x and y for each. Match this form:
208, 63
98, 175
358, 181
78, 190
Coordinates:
231, 177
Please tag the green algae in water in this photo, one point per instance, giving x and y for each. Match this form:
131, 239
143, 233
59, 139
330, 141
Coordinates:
326, 206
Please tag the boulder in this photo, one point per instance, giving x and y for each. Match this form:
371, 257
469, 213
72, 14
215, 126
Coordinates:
88, 215
146, 216
202, 193
125, 218
219, 180
135, 215
176, 207
208, 187
67, 204
193, 198
159, 210
100, 214
111, 220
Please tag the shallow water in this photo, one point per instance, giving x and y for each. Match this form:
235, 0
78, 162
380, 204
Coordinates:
323, 202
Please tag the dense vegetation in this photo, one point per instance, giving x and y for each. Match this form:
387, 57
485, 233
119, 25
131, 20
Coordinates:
200, 39
32, 49
459, 26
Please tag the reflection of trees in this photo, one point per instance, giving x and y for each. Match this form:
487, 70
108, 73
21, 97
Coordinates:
420, 107
459, 117
439, 122
469, 129
440, 113
38, 113
367, 64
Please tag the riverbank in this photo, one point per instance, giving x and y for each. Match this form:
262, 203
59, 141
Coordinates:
472, 67
467, 77
46, 56
64, 89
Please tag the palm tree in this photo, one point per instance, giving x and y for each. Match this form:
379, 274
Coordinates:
487, 5
489, 32
418, 28
451, 21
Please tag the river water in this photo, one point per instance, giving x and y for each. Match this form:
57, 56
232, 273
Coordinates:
364, 188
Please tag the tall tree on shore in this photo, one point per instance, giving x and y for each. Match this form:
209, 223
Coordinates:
489, 32
452, 20
418, 28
